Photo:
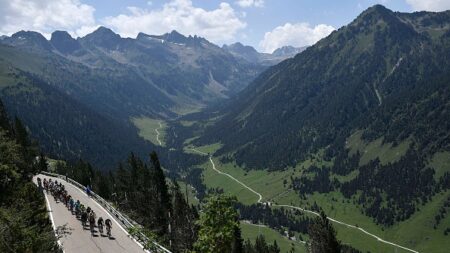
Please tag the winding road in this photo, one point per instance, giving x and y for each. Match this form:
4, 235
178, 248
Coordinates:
73, 237
157, 133
302, 209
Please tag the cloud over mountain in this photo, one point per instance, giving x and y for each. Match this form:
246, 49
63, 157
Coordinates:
46, 16
218, 25
297, 35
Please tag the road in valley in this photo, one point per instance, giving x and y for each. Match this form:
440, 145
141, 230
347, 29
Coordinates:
302, 209
73, 237
157, 133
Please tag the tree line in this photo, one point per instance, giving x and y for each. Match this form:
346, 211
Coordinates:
24, 222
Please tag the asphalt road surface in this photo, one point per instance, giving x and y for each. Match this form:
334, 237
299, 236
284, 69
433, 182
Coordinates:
74, 238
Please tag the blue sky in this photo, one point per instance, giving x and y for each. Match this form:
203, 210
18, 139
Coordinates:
264, 24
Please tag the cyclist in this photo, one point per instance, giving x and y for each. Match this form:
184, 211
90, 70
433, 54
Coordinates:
108, 225
84, 218
39, 183
45, 185
82, 209
77, 208
92, 222
71, 204
100, 225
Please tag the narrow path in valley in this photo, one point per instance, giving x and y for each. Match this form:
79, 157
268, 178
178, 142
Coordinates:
302, 209
380, 99
157, 133
228, 175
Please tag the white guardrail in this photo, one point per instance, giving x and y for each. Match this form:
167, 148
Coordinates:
124, 220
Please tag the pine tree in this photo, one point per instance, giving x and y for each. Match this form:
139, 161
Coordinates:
42, 164
274, 248
160, 178
163, 208
184, 229
238, 241
248, 247
121, 187
26, 150
261, 244
217, 225
4, 121
323, 236
21, 133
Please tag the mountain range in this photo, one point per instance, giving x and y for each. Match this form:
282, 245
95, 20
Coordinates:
250, 54
107, 79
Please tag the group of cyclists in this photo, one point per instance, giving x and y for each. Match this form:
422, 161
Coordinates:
86, 215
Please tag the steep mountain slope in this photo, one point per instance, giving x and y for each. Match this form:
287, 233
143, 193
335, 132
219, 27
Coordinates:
336, 87
370, 102
24, 220
66, 128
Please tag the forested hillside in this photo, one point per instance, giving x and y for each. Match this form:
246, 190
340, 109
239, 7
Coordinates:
24, 222
66, 128
381, 81
360, 77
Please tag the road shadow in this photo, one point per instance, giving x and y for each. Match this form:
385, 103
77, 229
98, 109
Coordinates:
63, 231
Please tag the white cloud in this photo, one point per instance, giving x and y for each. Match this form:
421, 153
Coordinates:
218, 25
250, 3
297, 35
45, 16
429, 5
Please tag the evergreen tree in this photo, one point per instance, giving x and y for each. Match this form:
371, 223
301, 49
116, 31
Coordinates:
43, 163
323, 236
121, 186
238, 246
274, 247
261, 244
248, 247
184, 229
217, 225
160, 179
21, 133
162, 194
26, 150
4, 121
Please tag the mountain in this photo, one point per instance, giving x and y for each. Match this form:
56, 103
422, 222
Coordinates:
251, 55
32, 41
107, 80
247, 52
64, 43
182, 72
369, 102
288, 51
